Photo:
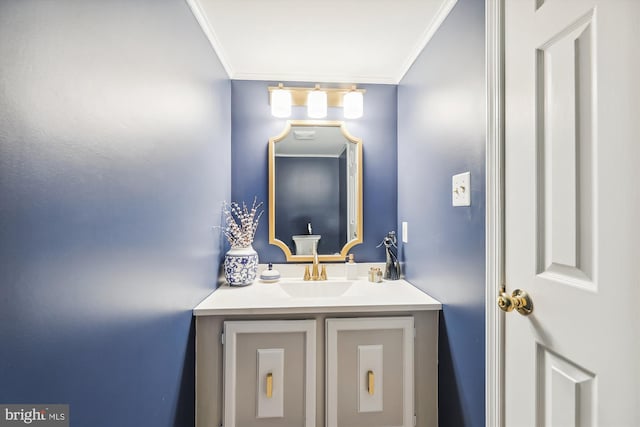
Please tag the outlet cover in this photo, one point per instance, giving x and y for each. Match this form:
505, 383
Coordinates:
461, 189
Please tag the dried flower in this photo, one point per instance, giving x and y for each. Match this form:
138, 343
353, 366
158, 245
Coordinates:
241, 223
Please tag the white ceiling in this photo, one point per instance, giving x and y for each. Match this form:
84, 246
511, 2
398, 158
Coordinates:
340, 41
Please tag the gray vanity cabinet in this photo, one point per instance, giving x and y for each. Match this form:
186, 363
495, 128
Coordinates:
369, 372
270, 373
341, 369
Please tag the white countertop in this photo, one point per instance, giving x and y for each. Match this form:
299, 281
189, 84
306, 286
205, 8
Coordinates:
289, 296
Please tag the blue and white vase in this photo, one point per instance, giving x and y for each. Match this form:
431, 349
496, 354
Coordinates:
241, 266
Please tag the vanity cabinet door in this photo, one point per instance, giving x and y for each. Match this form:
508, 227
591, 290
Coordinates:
269, 373
369, 375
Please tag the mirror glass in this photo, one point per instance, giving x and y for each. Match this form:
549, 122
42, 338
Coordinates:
315, 190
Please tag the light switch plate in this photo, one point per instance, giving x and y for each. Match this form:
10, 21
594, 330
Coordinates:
461, 189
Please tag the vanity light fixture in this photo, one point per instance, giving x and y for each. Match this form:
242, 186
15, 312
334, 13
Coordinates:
316, 99
280, 102
317, 103
353, 104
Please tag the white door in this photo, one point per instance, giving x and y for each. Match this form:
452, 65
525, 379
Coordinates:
572, 209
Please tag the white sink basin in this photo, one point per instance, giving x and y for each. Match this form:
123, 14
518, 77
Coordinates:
313, 289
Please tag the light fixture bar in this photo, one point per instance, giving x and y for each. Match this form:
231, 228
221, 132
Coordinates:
299, 95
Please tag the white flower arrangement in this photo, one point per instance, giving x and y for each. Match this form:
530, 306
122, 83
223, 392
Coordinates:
241, 223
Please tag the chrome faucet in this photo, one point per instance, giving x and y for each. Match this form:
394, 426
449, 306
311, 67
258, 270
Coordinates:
309, 228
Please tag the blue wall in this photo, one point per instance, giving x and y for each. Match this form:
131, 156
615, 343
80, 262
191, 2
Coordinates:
441, 132
113, 119
253, 125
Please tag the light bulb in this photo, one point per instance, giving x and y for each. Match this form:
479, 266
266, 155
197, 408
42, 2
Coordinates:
317, 104
280, 103
353, 105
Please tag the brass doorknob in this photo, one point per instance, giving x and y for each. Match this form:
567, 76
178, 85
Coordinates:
518, 300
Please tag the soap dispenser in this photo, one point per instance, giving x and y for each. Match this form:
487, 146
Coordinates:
351, 268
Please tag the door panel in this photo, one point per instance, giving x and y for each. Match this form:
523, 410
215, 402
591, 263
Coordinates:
269, 373
564, 105
571, 226
370, 375
567, 392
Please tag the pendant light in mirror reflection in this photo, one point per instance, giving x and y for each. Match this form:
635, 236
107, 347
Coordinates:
316, 100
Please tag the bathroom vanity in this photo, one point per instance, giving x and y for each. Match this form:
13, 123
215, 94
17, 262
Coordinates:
326, 353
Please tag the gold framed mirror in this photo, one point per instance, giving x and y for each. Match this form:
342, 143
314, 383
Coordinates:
315, 190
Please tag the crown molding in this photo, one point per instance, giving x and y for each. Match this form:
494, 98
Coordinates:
207, 29
425, 38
